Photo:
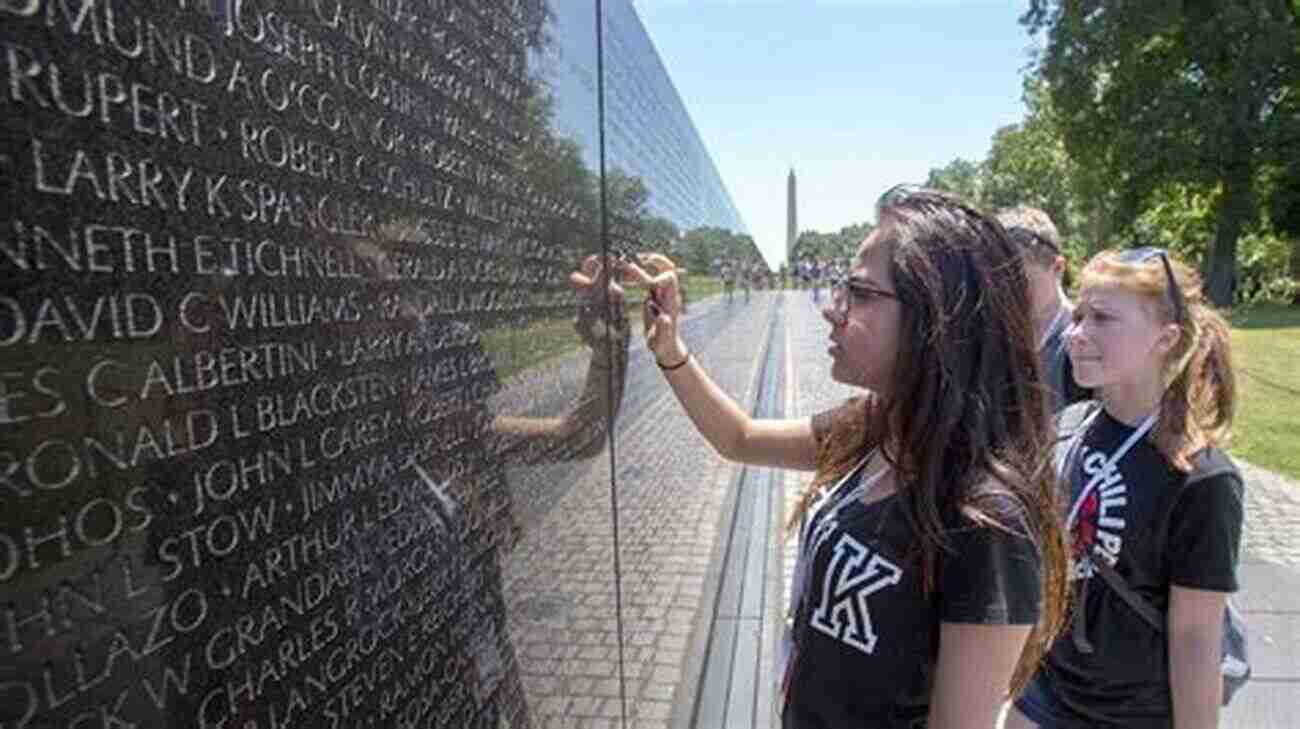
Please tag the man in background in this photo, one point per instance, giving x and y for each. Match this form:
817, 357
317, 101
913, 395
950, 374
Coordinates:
1040, 243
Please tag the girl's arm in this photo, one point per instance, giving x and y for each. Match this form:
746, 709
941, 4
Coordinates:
780, 443
990, 593
1195, 635
973, 672
729, 429
582, 431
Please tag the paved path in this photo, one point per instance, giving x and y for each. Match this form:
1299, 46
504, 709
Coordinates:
1270, 599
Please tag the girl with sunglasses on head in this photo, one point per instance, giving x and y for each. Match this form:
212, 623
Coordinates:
930, 576
1155, 507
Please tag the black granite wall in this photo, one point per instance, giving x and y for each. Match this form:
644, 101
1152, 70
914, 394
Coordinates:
265, 264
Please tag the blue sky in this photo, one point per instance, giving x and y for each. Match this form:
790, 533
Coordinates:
856, 95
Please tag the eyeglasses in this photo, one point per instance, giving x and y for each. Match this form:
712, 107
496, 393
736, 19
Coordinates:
1138, 256
843, 288
1049, 245
1034, 239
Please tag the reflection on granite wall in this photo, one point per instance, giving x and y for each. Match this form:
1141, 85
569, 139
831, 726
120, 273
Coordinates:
291, 378
257, 259
648, 130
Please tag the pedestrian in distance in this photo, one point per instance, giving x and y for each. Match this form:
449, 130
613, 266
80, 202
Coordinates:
1155, 507
931, 569
1033, 231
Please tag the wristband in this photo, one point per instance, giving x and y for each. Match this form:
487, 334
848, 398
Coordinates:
670, 368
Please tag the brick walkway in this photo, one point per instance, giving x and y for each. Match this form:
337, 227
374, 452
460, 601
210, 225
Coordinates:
1270, 600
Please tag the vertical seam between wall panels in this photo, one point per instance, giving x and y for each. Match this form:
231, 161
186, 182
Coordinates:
609, 381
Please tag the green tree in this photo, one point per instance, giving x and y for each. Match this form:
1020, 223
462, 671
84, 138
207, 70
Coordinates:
626, 200
658, 233
699, 246
1161, 91
962, 177
1027, 163
839, 245
563, 194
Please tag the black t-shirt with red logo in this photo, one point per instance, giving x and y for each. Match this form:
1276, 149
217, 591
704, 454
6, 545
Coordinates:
867, 635
1157, 527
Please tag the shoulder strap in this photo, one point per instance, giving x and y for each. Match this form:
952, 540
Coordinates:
1139, 604
1069, 431
1220, 466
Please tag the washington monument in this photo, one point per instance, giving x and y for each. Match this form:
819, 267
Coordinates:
791, 223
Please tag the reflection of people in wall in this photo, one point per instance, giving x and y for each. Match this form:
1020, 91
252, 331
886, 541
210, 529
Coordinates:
455, 479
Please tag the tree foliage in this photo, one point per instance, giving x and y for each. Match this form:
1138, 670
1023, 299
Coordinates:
698, 247
839, 245
1028, 164
1154, 92
961, 177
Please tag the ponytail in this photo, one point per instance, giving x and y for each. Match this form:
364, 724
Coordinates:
1198, 405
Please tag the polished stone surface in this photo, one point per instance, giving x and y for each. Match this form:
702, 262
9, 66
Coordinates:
291, 380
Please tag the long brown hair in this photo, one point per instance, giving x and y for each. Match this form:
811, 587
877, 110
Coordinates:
964, 423
1200, 396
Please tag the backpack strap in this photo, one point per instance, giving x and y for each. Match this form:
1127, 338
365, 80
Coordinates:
1069, 431
1139, 604
1166, 504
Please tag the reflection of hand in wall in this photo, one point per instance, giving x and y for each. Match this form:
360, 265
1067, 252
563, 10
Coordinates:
663, 305
601, 323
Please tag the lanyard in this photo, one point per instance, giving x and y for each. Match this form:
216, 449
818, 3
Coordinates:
1106, 468
803, 567
789, 650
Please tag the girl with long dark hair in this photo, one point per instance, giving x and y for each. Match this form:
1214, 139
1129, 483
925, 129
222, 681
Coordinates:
1155, 511
930, 576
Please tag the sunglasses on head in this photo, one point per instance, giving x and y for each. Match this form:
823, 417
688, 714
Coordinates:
896, 195
1138, 256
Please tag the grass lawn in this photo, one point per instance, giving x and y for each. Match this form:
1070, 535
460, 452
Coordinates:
1266, 351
